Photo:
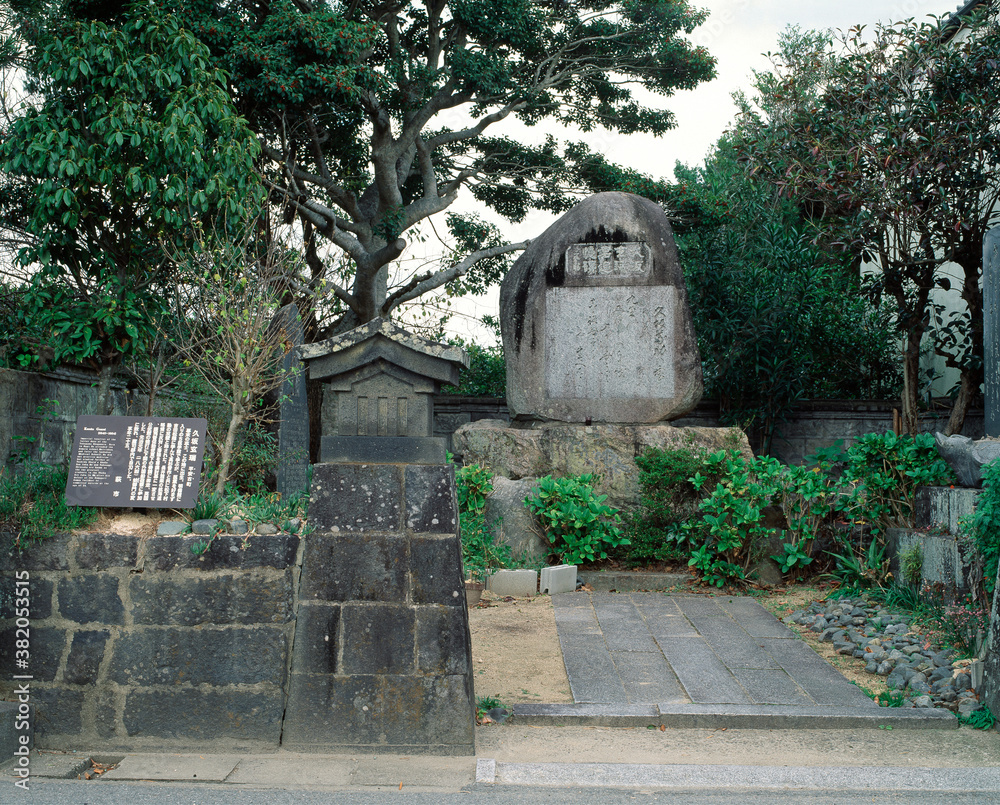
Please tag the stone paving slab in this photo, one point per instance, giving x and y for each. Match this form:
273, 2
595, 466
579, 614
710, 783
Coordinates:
647, 677
704, 676
201, 767
690, 651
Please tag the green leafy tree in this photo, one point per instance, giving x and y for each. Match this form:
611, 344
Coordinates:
778, 319
890, 147
376, 116
130, 138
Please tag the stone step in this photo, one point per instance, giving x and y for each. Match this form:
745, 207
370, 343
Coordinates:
627, 582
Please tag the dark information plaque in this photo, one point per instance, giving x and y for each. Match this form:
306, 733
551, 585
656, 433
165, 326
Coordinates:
154, 462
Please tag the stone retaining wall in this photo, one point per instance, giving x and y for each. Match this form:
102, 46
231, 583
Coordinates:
353, 637
136, 643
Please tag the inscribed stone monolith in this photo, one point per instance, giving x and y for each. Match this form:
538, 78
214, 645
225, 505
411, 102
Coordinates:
595, 319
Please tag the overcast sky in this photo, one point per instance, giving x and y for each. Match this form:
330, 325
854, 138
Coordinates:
737, 33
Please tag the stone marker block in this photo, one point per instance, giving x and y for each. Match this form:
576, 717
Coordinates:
517, 583
558, 579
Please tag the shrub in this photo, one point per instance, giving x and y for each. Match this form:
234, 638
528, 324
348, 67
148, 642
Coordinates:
481, 552
731, 530
579, 525
884, 471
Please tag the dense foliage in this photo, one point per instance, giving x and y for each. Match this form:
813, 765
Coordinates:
375, 116
128, 139
715, 518
889, 146
778, 319
578, 524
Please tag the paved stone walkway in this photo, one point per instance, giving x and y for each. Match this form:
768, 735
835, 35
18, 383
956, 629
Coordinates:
650, 648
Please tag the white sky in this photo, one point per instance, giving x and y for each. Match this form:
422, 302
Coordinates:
737, 33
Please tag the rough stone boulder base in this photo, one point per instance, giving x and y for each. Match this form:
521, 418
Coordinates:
595, 319
560, 449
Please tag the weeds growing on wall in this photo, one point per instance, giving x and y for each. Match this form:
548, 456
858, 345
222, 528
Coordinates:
33, 504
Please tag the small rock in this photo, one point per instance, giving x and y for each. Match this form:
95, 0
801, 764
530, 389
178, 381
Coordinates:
238, 526
966, 706
171, 528
923, 701
266, 529
205, 527
884, 668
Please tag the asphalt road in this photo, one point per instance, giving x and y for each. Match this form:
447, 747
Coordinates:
55, 792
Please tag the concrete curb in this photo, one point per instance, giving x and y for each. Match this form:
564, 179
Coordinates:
732, 716
688, 777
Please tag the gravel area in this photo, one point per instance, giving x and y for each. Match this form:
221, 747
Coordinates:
926, 675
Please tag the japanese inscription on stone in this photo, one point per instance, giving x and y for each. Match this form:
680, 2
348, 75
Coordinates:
593, 260
149, 462
600, 346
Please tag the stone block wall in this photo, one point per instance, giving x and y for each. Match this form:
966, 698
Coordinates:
136, 643
23, 403
938, 512
383, 652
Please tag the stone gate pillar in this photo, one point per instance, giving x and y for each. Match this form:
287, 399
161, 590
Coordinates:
382, 654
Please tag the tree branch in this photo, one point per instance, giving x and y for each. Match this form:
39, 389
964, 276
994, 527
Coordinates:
423, 283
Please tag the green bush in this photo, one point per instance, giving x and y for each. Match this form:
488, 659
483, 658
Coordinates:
984, 526
711, 508
579, 525
730, 534
883, 472
667, 500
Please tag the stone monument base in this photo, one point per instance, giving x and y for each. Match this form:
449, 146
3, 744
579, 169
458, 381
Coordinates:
383, 655
609, 451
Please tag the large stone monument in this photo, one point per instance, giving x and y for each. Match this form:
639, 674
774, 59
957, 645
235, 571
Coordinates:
601, 355
383, 656
595, 319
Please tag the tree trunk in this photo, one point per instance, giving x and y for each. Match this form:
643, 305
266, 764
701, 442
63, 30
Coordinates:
235, 421
105, 403
966, 394
911, 384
